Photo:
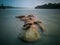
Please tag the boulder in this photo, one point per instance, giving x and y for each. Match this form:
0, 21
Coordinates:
30, 35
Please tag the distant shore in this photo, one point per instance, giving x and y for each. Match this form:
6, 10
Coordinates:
44, 6
9, 7
49, 6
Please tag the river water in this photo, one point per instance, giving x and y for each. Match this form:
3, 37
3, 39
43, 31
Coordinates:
10, 26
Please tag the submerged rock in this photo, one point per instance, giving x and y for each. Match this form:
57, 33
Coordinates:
30, 35
31, 25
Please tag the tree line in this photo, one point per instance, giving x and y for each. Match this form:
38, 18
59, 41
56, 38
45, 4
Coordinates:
49, 6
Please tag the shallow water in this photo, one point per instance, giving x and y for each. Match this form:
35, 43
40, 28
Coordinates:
10, 26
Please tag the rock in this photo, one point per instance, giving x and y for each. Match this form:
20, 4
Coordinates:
30, 35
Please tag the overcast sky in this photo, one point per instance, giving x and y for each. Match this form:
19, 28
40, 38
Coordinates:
27, 3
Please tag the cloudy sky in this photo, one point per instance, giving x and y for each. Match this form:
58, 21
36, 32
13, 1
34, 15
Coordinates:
27, 3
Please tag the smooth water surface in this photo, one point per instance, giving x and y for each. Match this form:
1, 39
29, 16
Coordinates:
10, 26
